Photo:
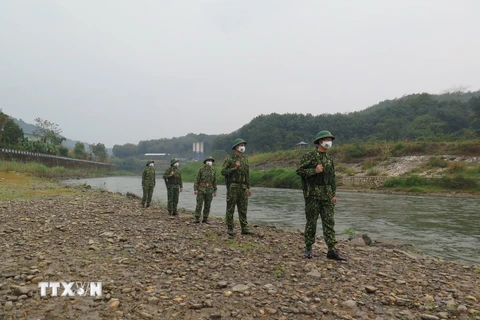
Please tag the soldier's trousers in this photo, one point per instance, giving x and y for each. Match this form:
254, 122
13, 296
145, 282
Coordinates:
172, 195
237, 196
147, 194
204, 198
324, 209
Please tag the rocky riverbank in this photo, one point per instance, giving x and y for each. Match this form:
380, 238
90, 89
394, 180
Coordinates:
154, 266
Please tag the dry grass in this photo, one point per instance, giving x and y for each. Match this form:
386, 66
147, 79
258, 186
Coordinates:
15, 185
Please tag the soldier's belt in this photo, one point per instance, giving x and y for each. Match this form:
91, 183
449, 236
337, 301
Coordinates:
238, 182
203, 184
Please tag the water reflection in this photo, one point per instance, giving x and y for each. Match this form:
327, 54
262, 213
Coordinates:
444, 227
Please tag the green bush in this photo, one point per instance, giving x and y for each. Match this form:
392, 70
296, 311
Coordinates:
456, 167
276, 178
394, 182
369, 163
415, 181
436, 162
457, 182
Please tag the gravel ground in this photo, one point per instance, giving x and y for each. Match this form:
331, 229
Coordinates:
155, 266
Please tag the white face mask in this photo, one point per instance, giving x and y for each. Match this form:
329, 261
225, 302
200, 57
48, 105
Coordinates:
209, 163
176, 164
327, 144
151, 164
241, 149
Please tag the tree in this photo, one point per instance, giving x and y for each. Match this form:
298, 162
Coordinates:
48, 132
79, 150
99, 151
3, 120
12, 134
127, 150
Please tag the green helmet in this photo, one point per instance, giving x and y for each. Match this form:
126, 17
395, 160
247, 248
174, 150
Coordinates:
209, 158
174, 160
237, 142
151, 161
323, 134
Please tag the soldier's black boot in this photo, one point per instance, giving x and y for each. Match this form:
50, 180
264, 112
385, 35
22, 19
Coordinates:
230, 231
197, 220
148, 205
205, 221
335, 256
308, 253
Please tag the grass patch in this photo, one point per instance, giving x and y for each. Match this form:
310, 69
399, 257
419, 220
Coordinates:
15, 185
39, 170
278, 271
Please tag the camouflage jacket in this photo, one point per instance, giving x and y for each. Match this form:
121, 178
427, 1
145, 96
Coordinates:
205, 175
240, 175
319, 185
148, 177
176, 179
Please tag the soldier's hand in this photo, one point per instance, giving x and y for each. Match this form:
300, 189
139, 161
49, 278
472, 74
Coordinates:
249, 192
172, 173
181, 189
195, 192
319, 168
214, 194
335, 200
237, 164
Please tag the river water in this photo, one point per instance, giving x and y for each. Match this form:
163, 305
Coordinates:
443, 227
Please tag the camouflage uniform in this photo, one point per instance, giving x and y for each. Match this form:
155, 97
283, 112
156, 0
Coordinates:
148, 184
238, 183
173, 190
319, 191
206, 184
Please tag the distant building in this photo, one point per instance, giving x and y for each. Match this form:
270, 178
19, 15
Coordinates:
301, 144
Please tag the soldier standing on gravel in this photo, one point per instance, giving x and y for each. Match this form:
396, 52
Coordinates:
205, 188
148, 183
237, 178
319, 187
173, 178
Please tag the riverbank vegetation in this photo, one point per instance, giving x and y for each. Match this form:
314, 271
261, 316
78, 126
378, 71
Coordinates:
39, 170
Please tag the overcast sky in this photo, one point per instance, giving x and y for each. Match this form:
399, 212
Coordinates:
120, 72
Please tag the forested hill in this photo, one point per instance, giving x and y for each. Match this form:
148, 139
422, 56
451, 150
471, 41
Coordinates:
446, 117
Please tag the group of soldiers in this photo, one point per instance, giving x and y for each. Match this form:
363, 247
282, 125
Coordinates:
316, 170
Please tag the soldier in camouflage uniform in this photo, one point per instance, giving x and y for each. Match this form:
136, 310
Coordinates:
173, 180
317, 171
205, 188
237, 178
148, 183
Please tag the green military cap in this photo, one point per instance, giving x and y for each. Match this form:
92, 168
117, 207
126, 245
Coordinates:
151, 161
174, 160
322, 135
209, 158
237, 142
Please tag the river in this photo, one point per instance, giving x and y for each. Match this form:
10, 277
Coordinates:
443, 227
